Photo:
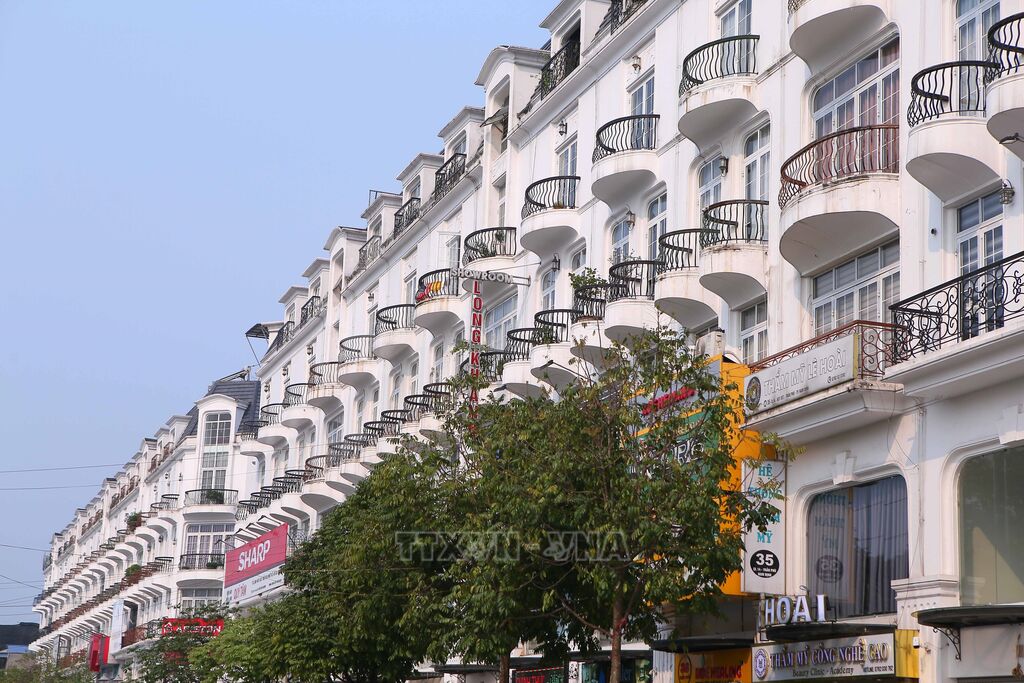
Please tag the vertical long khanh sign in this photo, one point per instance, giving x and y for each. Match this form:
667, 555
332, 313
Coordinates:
476, 323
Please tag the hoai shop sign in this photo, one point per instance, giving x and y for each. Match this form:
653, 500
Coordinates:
808, 372
793, 609
873, 656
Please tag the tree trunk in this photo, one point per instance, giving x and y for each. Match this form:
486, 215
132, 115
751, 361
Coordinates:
503, 668
615, 668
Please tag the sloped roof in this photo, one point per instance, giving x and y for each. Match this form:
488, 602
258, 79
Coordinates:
242, 390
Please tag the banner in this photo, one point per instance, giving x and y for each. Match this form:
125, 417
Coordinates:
171, 626
873, 656
764, 552
116, 625
806, 373
721, 666
255, 567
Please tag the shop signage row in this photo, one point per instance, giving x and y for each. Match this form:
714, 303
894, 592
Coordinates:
873, 656
806, 373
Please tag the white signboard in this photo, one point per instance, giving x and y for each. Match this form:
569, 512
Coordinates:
873, 656
811, 371
116, 626
253, 587
765, 551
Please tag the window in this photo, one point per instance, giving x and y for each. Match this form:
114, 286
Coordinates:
991, 516
865, 94
548, 281
397, 380
375, 229
709, 180
336, 428
371, 319
375, 404
657, 224
567, 167
498, 320
437, 367
860, 289
207, 539
641, 102
757, 163
452, 246
214, 459
501, 205
414, 376
857, 544
579, 260
414, 189
620, 241
409, 287
754, 332
736, 20
460, 145
217, 429
973, 20
194, 598
289, 313
980, 244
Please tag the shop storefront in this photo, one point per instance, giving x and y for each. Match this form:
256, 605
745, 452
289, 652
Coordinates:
835, 651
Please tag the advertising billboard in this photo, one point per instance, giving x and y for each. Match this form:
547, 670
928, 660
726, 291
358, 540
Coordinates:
255, 568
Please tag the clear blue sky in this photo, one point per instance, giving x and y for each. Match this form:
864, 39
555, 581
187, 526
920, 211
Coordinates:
167, 169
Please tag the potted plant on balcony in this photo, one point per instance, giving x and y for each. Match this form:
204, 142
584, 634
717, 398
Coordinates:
134, 521
213, 497
215, 563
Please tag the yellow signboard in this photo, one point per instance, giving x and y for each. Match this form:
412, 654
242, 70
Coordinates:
720, 666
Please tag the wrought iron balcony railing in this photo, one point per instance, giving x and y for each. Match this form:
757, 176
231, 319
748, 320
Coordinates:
951, 88
553, 325
633, 279
558, 192
368, 253
589, 301
442, 396
407, 215
488, 243
249, 430
435, 284
732, 56
679, 250
201, 561
448, 176
359, 347
1006, 47
843, 154
519, 342
283, 336
626, 134
981, 301
492, 363
211, 497
392, 318
736, 221
296, 394
619, 12
874, 348
415, 406
311, 310
561, 64
324, 373
272, 413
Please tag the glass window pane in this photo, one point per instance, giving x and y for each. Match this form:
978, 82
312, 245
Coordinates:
867, 264
846, 274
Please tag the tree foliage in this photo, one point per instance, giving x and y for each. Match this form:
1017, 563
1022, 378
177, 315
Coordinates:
41, 668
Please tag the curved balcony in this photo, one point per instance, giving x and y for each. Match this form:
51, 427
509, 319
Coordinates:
273, 433
586, 334
415, 406
442, 398
950, 150
840, 195
325, 392
631, 309
1005, 92
821, 31
551, 357
298, 413
490, 250
192, 561
394, 333
358, 364
677, 290
338, 467
207, 502
625, 160
515, 372
719, 88
437, 301
407, 215
733, 257
248, 437
550, 219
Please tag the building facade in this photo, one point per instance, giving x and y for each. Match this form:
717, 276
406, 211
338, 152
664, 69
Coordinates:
822, 190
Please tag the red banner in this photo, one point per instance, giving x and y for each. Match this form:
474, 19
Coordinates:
199, 626
257, 556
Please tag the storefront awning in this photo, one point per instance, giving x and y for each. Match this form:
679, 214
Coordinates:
789, 633
980, 615
704, 643
606, 655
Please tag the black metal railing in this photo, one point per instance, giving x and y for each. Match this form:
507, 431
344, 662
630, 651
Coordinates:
519, 342
289, 482
311, 310
250, 429
448, 176
272, 413
794, 5
296, 394
201, 561
561, 64
1006, 47
488, 243
324, 373
361, 439
282, 337
844, 154
415, 406
679, 250
492, 363
381, 429
633, 279
553, 325
436, 283
369, 252
558, 192
270, 493
725, 57
391, 318
873, 344
211, 497
359, 347
626, 134
950, 88
960, 309
589, 301
442, 396
407, 214
619, 13
735, 221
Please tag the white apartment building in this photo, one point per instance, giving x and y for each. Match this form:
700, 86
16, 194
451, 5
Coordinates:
823, 190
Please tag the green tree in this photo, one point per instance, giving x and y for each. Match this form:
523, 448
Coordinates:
42, 668
168, 659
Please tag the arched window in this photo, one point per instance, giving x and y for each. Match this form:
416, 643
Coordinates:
709, 179
864, 94
214, 461
757, 163
657, 224
547, 290
991, 516
620, 241
336, 428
